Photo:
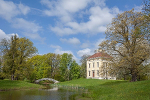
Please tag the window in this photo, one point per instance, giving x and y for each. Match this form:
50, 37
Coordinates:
97, 72
89, 65
93, 72
89, 73
97, 64
105, 64
93, 65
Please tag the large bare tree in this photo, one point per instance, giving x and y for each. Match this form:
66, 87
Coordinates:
127, 38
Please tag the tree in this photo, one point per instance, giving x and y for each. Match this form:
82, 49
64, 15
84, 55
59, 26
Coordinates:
146, 11
53, 60
37, 68
74, 70
146, 7
15, 53
83, 65
1, 72
44, 66
128, 38
65, 62
25, 50
10, 56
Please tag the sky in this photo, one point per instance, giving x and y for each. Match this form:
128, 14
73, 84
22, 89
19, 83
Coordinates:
76, 27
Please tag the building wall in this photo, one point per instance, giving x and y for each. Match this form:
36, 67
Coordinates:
100, 72
96, 68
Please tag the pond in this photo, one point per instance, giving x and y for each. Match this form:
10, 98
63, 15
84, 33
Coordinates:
41, 94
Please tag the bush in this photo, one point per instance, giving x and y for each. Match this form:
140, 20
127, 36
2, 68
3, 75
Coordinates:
2, 76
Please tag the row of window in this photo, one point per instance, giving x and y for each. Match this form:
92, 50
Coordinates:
105, 64
94, 65
93, 73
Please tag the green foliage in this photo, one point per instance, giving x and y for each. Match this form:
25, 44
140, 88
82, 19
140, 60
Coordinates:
11, 57
44, 66
2, 75
65, 62
53, 60
83, 66
74, 70
127, 38
146, 10
19, 62
46, 82
59, 67
15, 53
37, 67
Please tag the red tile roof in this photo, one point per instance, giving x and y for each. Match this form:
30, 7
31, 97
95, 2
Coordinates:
100, 54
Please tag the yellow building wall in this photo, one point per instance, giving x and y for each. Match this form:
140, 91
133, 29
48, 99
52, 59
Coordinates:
101, 74
95, 68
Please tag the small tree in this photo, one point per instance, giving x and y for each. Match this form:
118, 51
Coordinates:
65, 63
83, 65
74, 70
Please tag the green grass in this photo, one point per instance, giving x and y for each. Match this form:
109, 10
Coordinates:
113, 89
15, 85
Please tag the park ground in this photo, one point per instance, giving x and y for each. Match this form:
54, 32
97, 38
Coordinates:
97, 89
111, 89
6, 85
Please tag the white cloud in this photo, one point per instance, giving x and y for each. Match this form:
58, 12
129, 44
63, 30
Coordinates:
73, 40
85, 45
9, 10
35, 36
97, 43
24, 9
59, 51
64, 8
91, 48
99, 3
29, 28
74, 5
138, 8
86, 51
6, 36
62, 31
55, 47
21, 23
98, 15
98, 20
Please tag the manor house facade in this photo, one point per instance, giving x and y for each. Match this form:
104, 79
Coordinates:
98, 66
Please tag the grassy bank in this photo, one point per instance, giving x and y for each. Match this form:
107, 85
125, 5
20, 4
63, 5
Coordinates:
112, 89
16, 85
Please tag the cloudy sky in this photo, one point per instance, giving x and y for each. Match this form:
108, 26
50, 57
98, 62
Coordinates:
61, 26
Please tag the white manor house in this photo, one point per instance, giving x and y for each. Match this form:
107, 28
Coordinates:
98, 64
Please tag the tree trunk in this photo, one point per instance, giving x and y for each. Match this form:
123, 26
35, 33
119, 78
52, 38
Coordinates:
134, 77
12, 77
124, 77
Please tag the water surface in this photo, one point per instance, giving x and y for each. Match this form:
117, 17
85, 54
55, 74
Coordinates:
41, 94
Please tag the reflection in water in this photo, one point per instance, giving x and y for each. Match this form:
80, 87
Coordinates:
43, 94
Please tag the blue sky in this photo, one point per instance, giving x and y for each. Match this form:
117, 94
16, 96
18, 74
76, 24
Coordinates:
61, 26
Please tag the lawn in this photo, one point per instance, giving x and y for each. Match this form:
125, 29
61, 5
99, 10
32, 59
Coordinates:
113, 89
15, 85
